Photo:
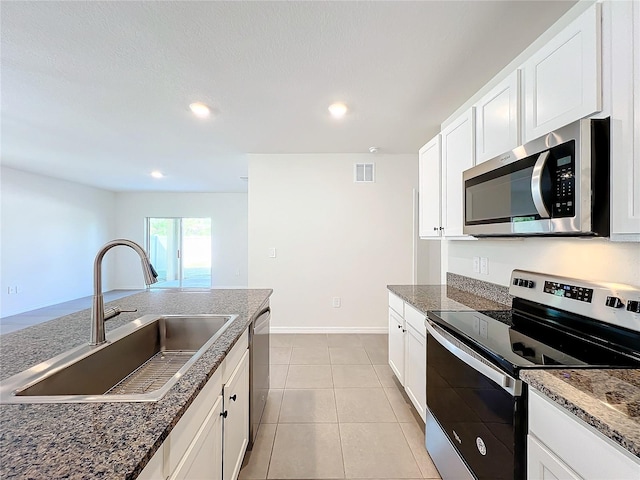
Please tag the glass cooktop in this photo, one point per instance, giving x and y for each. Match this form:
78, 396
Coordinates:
541, 337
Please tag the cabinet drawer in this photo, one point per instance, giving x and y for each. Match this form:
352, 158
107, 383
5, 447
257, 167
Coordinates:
415, 318
235, 355
396, 303
581, 447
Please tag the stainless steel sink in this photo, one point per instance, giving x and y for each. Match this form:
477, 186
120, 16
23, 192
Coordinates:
140, 362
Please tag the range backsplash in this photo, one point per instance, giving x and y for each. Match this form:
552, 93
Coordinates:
490, 291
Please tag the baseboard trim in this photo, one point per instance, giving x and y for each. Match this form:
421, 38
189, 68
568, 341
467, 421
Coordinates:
328, 329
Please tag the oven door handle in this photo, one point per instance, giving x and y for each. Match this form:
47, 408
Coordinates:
508, 383
536, 185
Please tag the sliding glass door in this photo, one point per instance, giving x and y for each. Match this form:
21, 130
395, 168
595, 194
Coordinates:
180, 251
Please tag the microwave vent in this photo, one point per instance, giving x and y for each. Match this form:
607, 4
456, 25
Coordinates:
364, 173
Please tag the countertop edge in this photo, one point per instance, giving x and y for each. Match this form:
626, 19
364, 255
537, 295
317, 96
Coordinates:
570, 399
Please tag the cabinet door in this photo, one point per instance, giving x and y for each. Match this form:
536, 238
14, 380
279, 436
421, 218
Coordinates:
457, 156
429, 199
543, 465
236, 421
415, 370
563, 79
498, 119
625, 121
396, 345
203, 459
154, 470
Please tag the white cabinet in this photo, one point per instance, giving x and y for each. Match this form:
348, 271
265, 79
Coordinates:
203, 459
625, 121
544, 465
415, 359
236, 419
408, 350
396, 344
559, 443
205, 434
458, 153
498, 119
562, 80
429, 184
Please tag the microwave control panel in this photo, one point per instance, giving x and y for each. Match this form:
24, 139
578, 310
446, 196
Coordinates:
564, 187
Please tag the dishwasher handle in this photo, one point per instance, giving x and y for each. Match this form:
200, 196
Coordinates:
508, 383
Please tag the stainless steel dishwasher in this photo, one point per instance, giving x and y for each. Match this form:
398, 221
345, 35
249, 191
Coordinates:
258, 370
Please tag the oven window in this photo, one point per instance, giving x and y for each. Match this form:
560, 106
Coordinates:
503, 197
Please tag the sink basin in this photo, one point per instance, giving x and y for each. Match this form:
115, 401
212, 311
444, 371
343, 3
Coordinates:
139, 363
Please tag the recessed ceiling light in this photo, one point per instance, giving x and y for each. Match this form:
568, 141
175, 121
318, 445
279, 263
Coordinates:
200, 110
338, 109
157, 174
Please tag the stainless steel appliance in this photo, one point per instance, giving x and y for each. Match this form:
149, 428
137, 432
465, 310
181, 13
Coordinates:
476, 405
555, 185
258, 370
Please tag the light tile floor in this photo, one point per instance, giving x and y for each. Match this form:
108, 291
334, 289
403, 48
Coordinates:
336, 411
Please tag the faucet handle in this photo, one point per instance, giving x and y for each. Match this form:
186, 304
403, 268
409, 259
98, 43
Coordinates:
115, 311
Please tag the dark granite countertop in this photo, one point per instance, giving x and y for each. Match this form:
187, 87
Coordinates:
442, 297
608, 400
107, 440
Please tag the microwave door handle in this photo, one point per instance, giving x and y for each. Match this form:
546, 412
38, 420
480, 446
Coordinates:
536, 185
505, 381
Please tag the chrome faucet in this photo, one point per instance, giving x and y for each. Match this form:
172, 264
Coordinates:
97, 311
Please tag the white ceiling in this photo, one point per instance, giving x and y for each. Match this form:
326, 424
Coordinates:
98, 92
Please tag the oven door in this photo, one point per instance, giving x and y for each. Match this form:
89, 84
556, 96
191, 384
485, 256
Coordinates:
476, 422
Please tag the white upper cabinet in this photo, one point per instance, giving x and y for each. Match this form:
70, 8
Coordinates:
562, 80
458, 151
625, 121
429, 199
498, 119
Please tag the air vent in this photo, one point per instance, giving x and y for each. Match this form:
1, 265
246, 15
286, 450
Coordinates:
363, 172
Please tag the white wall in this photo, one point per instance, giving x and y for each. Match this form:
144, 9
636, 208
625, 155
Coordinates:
588, 259
333, 237
228, 213
50, 232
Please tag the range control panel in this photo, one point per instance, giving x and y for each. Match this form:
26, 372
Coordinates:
614, 303
558, 289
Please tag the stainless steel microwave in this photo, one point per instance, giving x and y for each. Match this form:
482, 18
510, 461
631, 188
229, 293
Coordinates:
555, 185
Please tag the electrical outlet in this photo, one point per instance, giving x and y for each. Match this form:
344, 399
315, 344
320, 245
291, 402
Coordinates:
272, 253
476, 264
484, 265
336, 302
12, 290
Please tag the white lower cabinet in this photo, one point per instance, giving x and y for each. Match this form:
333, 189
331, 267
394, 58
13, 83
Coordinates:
408, 350
396, 344
236, 420
207, 443
561, 446
415, 371
544, 465
203, 459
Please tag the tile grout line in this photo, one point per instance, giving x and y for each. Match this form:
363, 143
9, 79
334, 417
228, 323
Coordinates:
344, 467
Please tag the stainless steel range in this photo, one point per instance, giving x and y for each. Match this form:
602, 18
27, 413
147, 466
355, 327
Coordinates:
476, 405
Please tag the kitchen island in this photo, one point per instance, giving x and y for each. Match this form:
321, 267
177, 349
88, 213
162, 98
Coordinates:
107, 440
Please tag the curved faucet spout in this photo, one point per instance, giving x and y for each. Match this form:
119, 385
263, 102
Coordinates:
97, 311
